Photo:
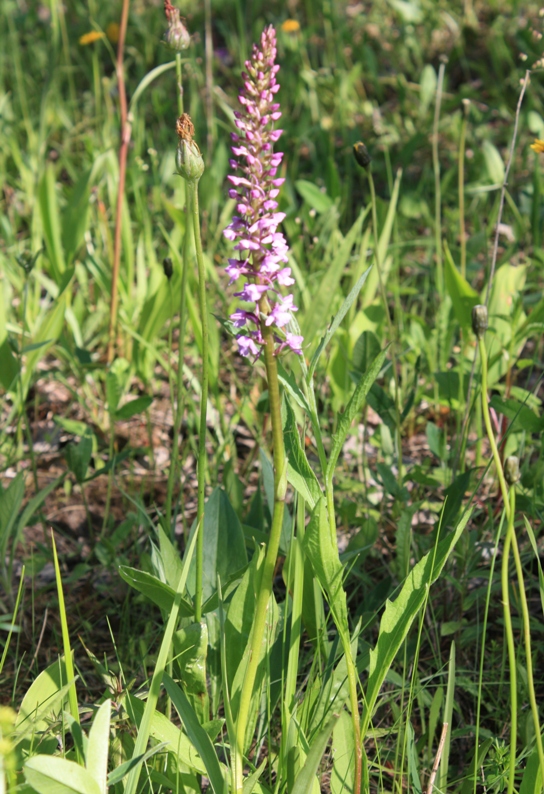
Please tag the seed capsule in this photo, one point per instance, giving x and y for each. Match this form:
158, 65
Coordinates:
479, 320
511, 469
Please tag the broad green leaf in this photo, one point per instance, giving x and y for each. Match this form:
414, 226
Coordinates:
160, 593
163, 730
11, 499
224, 544
289, 383
400, 614
365, 350
493, 163
353, 409
322, 552
190, 648
117, 774
304, 784
373, 282
52, 775
197, 735
76, 215
463, 297
239, 617
98, 746
335, 325
532, 539
9, 366
531, 782
313, 196
411, 753
51, 222
41, 700
146, 722
427, 87
322, 301
299, 472
343, 755
78, 456
170, 558
136, 406
520, 415
49, 330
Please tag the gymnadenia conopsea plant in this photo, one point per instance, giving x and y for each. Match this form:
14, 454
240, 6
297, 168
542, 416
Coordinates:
262, 254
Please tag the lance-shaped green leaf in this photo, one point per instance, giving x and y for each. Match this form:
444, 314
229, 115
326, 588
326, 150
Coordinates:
400, 613
353, 409
335, 325
197, 735
299, 472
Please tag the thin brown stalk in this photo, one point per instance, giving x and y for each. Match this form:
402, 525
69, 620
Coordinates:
438, 756
123, 151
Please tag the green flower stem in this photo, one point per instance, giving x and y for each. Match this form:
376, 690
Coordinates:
509, 498
489, 429
511, 646
265, 590
178, 413
181, 350
527, 637
392, 335
192, 193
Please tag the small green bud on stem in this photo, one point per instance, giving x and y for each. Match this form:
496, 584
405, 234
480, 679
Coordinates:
479, 320
177, 35
189, 161
511, 469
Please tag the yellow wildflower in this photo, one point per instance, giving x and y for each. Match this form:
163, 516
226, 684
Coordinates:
290, 26
538, 146
112, 32
91, 37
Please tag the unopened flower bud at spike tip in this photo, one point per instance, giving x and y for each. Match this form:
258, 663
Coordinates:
189, 162
479, 320
360, 152
511, 469
168, 267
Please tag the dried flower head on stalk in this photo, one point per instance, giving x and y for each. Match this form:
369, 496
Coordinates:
177, 35
262, 249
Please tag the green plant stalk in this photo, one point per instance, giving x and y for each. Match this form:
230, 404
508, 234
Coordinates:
68, 658
489, 428
178, 413
192, 192
511, 648
437, 188
110, 474
392, 334
482, 657
269, 564
509, 499
461, 187
527, 636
